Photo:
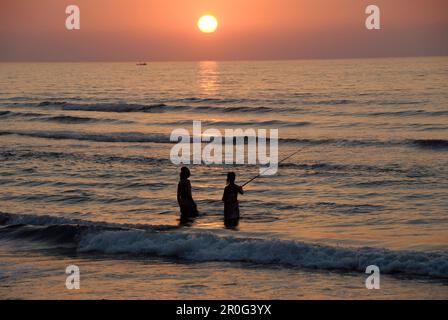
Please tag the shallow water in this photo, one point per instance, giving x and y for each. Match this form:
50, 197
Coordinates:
88, 143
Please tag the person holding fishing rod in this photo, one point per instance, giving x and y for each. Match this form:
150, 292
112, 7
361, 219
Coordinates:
231, 204
230, 196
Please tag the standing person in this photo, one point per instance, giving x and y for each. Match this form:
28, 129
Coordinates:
188, 208
231, 205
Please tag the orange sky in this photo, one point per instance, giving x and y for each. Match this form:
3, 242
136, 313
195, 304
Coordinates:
117, 30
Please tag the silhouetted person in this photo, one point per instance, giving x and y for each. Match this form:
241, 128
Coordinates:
231, 205
188, 208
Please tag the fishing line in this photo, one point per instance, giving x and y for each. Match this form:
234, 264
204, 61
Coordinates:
267, 169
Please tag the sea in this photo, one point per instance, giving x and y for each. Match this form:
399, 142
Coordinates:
86, 179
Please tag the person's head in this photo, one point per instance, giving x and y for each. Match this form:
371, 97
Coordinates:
184, 173
231, 177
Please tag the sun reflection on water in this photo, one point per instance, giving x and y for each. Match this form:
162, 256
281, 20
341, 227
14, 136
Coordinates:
208, 77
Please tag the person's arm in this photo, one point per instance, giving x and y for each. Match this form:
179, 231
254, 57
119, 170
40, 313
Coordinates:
240, 190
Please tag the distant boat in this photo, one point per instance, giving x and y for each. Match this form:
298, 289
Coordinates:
141, 64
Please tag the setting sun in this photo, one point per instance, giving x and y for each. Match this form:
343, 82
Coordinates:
207, 24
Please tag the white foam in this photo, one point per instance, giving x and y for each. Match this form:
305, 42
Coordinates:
207, 246
197, 245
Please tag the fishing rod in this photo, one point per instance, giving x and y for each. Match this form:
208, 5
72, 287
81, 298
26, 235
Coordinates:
283, 160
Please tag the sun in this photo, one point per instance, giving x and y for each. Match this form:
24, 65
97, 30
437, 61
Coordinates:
207, 24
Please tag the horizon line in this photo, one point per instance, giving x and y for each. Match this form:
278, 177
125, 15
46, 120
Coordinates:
225, 60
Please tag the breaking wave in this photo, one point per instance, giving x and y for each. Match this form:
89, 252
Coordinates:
200, 246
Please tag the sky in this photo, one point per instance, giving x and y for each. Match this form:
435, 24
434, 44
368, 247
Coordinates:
146, 30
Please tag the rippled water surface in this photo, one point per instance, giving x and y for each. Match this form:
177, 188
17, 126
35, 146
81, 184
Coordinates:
88, 144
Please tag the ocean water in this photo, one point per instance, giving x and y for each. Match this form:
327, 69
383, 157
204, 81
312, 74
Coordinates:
86, 179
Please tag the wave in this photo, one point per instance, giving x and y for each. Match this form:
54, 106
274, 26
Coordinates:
399, 102
161, 138
213, 100
137, 137
17, 155
331, 102
11, 114
434, 144
132, 137
79, 120
239, 109
17, 98
155, 108
267, 123
215, 105
33, 116
314, 168
431, 143
7, 219
322, 166
201, 246
102, 107
407, 113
